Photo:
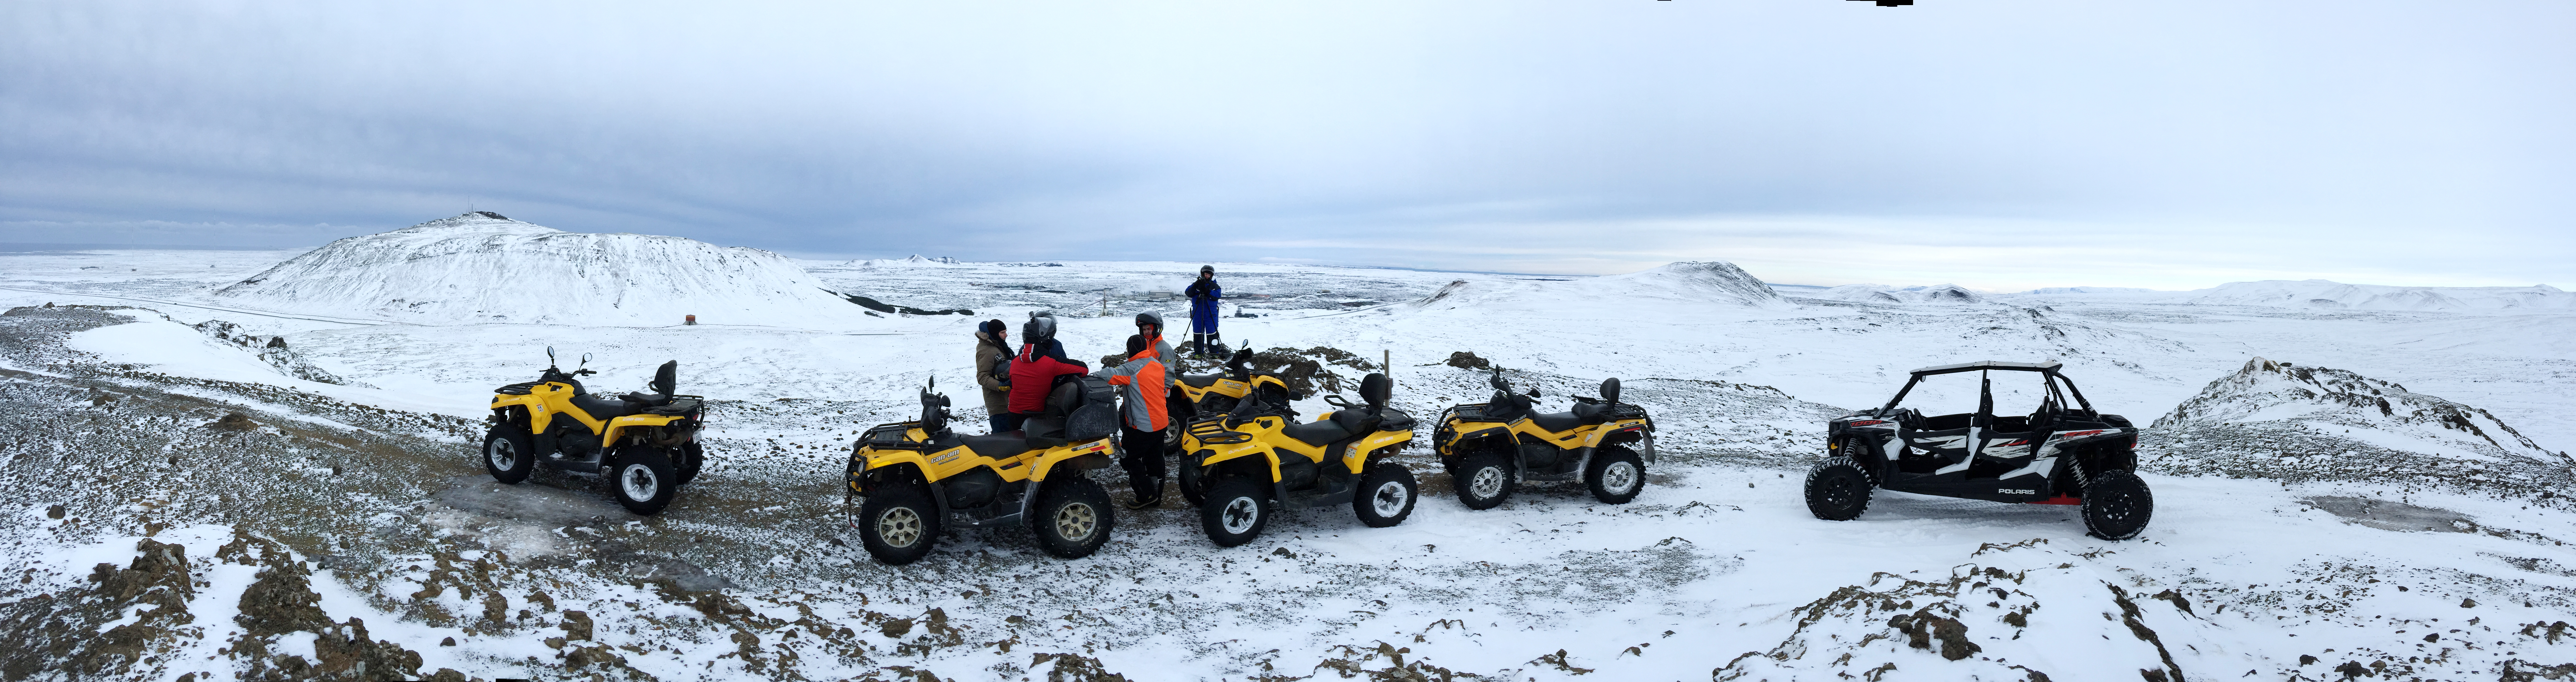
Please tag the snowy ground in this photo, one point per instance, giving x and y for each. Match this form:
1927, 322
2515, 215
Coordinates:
2278, 571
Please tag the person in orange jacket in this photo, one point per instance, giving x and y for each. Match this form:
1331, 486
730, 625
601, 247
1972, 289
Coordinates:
1142, 419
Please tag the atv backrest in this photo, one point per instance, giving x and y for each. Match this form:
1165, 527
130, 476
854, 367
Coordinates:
666, 380
1066, 396
1610, 390
1375, 389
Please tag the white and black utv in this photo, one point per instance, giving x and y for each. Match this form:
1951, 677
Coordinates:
2062, 452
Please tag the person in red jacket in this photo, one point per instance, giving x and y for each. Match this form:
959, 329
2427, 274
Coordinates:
1041, 360
1141, 421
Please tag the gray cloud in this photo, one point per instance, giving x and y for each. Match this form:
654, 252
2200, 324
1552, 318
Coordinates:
2133, 143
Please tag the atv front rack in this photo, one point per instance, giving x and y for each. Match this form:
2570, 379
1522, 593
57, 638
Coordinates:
890, 436
521, 388
1214, 432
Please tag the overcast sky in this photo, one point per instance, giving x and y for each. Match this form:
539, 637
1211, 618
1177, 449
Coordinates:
1998, 144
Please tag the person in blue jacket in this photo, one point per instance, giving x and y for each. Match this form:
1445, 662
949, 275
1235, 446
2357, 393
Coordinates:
1203, 297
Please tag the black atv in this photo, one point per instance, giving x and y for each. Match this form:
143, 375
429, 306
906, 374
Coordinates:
2061, 453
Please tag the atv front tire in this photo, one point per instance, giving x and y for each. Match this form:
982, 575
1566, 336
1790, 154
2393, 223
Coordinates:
899, 523
1236, 510
1837, 489
2117, 505
643, 479
1615, 475
509, 452
1386, 494
1484, 480
1073, 517
1193, 485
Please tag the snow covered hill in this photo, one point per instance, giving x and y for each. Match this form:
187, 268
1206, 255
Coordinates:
2318, 293
2277, 420
1880, 293
484, 268
1688, 282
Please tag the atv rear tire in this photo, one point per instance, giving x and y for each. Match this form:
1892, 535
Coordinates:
1073, 517
1837, 489
509, 452
2117, 505
1236, 510
899, 523
1386, 494
642, 478
692, 460
1484, 480
1615, 475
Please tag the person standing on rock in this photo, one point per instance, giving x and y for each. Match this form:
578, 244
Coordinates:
993, 372
1203, 297
1141, 420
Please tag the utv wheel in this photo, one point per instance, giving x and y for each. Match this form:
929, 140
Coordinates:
1837, 489
1851, 447
692, 460
1483, 481
1615, 476
1386, 495
2117, 505
1073, 517
1236, 511
642, 479
899, 523
509, 452
1193, 485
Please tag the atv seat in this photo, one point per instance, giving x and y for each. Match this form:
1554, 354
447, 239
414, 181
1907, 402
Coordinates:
1317, 433
1592, 413
647, 399
999, 446
604, 409
1557, 421
1200, 380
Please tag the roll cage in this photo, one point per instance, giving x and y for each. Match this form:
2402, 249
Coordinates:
2059, 387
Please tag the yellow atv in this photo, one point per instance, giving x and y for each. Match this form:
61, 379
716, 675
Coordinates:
1243, 466
916, 476
1193, 395
646, 444
1488, 448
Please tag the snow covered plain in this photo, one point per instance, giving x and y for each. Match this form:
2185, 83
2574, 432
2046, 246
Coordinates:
2271, 555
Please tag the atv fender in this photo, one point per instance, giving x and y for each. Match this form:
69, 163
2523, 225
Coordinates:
1867, 452
1450, 449
618, 426
1081, 458
889, 461
1356, 456
535, 406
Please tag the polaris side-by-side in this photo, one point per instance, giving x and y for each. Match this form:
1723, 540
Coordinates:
1490, 447
2063, 452
645, 443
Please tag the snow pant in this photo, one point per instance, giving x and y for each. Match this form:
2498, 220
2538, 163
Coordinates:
1203, 328
1006, 422
1143, 461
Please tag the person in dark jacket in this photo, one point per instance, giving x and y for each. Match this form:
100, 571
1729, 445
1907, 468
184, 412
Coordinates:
1041, 360
1141, 420
1203, 297
993, 372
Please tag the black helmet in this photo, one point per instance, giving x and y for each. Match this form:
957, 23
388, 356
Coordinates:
1038, 330
1143, 319
1207, 269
